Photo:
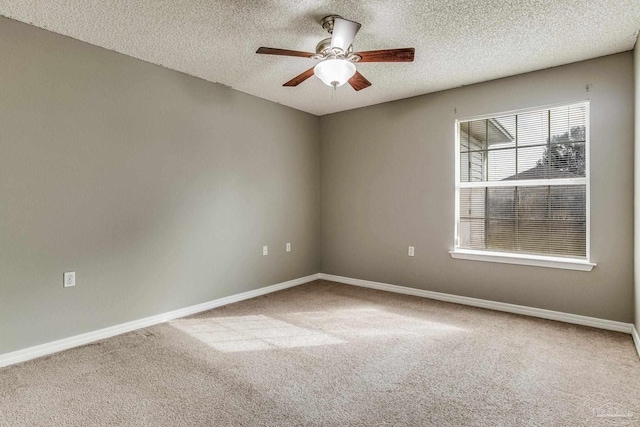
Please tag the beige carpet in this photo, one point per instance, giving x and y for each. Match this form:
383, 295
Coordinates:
325, 354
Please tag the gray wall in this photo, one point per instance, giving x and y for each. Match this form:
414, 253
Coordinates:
387, 182
160, 189
157, 188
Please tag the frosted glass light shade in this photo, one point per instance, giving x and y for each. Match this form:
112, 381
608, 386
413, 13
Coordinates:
335, 72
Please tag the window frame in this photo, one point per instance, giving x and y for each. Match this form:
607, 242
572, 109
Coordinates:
581, 264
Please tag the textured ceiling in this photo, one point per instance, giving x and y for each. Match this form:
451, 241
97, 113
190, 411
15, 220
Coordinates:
458, 42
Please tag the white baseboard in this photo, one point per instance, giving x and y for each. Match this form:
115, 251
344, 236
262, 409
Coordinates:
89, 337
82, 339
636, 339
492, 305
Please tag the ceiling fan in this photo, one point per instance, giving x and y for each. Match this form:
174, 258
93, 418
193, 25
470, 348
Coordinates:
337, 58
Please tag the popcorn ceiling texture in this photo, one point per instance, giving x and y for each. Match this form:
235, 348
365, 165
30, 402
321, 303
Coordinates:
458, 42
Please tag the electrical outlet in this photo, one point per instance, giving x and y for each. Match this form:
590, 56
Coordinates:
265, 250
69, 279
288, 247
412, 251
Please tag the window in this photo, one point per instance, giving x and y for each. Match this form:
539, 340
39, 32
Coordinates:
522, 187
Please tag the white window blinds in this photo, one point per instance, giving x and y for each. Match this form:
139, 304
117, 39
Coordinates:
522, 184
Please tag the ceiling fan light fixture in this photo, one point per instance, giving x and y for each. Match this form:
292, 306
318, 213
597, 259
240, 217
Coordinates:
335, 72
337, 57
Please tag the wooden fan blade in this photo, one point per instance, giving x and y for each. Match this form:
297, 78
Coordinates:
299, 78
283, 52
358, 82
388, 55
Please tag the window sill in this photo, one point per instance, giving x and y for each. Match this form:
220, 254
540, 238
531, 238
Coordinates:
533, 260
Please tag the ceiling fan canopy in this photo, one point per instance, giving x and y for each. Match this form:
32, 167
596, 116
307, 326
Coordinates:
337, 57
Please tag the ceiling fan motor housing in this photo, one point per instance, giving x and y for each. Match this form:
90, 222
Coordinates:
324, 50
